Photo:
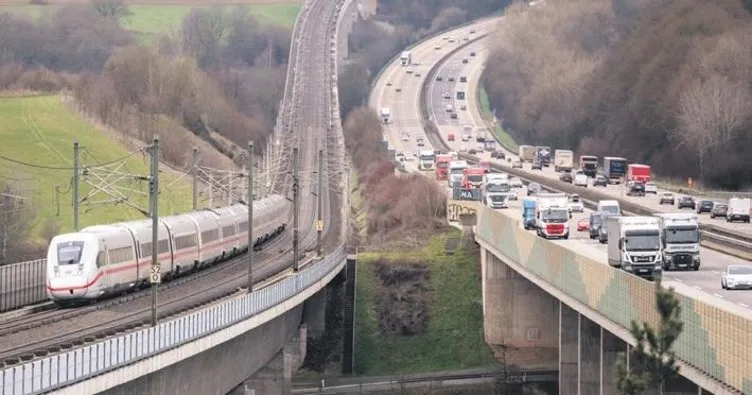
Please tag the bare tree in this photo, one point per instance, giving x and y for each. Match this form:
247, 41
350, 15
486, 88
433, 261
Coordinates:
15, 221
202, 33
112, 9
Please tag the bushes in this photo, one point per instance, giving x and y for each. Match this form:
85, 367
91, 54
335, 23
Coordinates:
668, 83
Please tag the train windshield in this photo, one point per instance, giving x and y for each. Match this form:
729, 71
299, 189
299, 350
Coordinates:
69, 253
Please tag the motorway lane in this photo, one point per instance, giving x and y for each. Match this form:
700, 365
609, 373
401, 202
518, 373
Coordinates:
706, 280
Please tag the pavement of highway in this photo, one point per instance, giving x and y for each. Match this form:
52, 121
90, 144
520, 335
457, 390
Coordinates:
702, 284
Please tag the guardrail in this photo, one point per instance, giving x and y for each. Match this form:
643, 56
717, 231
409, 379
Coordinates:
730, 242
76, 365
22, 284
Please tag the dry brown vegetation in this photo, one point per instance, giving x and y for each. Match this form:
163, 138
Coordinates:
397, 204
663, 82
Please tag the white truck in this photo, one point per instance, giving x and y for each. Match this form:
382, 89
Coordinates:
680, 235
739, 210
456, 172
406, 58
385, 114
552, 215
634, 245
426, 159
496, 190
563, 160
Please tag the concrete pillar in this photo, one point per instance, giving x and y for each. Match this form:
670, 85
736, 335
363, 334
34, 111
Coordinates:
276, 377
569, 350
590, 353
611, 346
314, 314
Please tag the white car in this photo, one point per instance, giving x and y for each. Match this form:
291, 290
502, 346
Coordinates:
465, 137
463, 148
405, 137
737, 277
512, 195
515, 183
409, 157
399, 156
453, 154
446, 95
651, 188
580, 179
575, 204
409, 70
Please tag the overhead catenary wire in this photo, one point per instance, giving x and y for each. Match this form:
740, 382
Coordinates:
45, 167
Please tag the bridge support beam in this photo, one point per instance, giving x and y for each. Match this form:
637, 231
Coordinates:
314, 313
276, 377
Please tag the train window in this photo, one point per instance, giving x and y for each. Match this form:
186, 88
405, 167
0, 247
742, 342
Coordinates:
69, 253
228, 231
145, 250
163, 246
120, 255
186, 241
243, 226
208, 236
101, 259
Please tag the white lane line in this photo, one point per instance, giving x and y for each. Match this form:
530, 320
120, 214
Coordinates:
678, 279
743, 305
696, 287
720, 296
715, 271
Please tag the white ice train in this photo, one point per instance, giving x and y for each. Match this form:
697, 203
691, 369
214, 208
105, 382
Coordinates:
104, 259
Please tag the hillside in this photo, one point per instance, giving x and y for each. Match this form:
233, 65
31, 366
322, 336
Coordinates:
664, 82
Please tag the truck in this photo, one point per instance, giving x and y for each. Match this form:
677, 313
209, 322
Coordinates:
738, 210
563, 160
552, 215
406, 57
472, 177
489, 145
425, 160
528, 214
496, 190
442, 166
634, 245
614, 169
589, 165
527, 153
639, 173
456, 172
680, 236
481, 135
543, 154
385, 114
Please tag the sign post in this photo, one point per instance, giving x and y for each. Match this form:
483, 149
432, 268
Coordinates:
156, 274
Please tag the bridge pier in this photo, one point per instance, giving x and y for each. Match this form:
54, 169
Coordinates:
314, 313
275, 378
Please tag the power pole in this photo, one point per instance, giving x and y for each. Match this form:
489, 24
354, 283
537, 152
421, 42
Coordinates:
75, 185
195, 178
156, 274
320, 203
295, 210
250, 216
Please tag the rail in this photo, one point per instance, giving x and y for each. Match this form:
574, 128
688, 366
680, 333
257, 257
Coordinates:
70, 367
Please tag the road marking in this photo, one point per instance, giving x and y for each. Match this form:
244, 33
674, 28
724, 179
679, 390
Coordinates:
696, 287
716, 272
678, 279
743, 305
720, 296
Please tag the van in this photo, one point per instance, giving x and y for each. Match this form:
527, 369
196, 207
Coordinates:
596, 218
609, 206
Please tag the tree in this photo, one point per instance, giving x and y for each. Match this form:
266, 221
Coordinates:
652, 361
112, 9
15, 221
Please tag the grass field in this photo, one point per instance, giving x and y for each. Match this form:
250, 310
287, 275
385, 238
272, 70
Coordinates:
40, 130
454, 337
502, 135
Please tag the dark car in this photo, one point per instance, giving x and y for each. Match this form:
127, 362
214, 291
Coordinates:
686, 202
705, 206
635, 188
600, 181
533, 188
472, 151
472, 53
596, 219
439, 78
498, 155
566, 177
603, 229
719, 210
537, 165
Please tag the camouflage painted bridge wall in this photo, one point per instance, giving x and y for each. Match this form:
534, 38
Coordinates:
714, 340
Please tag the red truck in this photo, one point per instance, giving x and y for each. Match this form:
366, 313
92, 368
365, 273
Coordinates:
473, 177
636, 172
442, 166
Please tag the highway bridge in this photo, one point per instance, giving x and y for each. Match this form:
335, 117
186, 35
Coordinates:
562, 296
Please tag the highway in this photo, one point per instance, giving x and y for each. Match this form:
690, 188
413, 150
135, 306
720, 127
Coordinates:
704, 284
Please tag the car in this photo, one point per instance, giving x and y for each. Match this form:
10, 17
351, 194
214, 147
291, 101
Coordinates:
600, 181
650, 187
705, 206
516, 164
463, 148
580, 179
686, 202
466, 38
463, 78
667, 198
465, 137
515, 182
463, 107
537, 165
450, 79
737, 277
453, 154
566, 177
472, 53
464, 60
446, 95
409, 157
409, 70
533, 188
453, 115
583, 225
405, 137
398, 89
511, 195
575, 204
719, 210
437, 47
445, 38
388, 84
399, 156
596, 217
498, 155
603, 228
472, 151
439, 78
635, 188
419, 142
451, 39
450, 137
472, 31
417, 74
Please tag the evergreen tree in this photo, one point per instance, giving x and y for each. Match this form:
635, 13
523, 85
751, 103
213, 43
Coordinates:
652, 361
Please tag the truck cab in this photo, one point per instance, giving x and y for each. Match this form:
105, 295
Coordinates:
442, 166
680, 236
456, 172
426, 159
543, 155
496, 190
552, 215
528, 213
634, 245
589, 165
472, 177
